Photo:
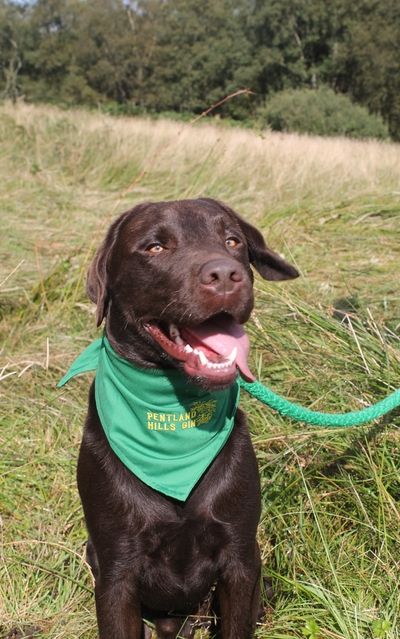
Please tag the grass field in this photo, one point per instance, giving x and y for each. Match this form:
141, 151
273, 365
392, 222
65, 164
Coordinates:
330, 529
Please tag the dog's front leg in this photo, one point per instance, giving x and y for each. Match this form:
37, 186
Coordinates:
238, 593
118, 610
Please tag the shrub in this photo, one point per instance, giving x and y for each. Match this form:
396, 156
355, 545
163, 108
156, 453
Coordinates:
320, 112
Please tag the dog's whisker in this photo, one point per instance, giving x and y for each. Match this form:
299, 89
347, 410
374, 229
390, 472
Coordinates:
174, 300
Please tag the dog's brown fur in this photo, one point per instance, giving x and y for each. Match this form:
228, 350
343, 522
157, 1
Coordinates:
153, 556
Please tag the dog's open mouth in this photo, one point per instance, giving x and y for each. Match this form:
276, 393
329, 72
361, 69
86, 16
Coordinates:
214, 349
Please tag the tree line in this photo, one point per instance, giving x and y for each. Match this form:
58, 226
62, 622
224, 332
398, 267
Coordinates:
184, 55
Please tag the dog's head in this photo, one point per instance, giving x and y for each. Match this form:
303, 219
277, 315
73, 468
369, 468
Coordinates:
174, 281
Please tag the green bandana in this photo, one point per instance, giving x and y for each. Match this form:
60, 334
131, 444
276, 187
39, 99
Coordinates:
163, 428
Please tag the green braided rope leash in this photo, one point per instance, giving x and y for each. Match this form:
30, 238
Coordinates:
326, 420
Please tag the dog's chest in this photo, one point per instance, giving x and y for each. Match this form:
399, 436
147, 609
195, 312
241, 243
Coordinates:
180, 559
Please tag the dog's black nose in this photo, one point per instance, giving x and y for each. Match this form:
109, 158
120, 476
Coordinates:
221, 275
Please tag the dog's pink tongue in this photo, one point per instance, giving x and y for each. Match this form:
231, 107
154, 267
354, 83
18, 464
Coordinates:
222, 335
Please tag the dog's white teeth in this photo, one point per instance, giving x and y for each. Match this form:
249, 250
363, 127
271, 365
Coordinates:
203, 359
188, 349
175, 335
174, 331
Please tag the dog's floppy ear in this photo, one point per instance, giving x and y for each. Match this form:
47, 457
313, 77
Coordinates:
269, 264
96, 283
97, 277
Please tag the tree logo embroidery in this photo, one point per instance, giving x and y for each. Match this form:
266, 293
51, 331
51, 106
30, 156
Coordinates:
204, 411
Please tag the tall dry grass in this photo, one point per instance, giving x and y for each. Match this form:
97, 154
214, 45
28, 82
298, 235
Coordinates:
269, 169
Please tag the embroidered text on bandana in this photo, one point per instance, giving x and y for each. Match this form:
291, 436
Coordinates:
163, 428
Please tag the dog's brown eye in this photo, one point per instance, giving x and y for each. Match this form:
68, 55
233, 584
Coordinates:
232, 242
154, 248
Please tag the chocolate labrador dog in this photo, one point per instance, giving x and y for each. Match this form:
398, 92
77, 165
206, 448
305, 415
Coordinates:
173, 281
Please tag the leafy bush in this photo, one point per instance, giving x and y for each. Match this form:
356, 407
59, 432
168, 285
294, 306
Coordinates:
320, 112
